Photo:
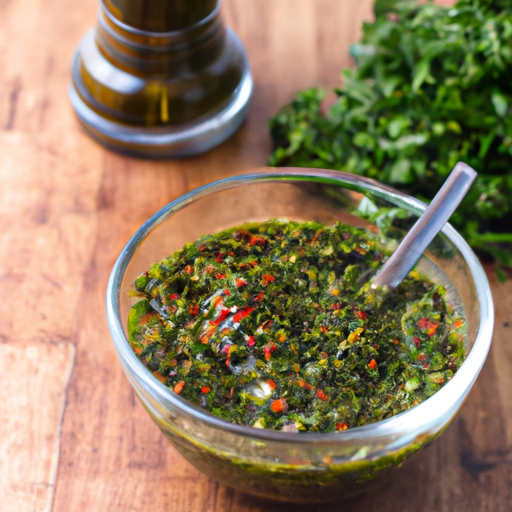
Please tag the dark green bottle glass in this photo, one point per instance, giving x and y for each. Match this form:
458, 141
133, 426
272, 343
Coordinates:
160, 78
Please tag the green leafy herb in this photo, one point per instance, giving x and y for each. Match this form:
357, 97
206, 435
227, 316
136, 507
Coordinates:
432, 86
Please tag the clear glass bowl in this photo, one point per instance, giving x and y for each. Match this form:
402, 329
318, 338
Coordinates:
303, 467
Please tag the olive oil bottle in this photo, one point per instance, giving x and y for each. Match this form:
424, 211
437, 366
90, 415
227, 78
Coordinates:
160, 78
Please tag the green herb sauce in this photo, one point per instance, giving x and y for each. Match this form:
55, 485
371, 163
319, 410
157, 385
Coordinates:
274, 325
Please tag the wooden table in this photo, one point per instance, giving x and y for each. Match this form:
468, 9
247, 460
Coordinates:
72, 435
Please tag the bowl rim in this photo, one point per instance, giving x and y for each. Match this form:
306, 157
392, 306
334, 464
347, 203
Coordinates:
401, 422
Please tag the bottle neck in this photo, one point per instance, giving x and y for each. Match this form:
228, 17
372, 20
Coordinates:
160, 15
171, 53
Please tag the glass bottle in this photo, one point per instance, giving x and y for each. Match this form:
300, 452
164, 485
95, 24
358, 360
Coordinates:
160, 78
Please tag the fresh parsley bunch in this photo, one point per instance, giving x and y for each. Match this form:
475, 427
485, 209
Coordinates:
432, 86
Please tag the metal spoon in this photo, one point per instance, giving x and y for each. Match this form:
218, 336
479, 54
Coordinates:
426, 228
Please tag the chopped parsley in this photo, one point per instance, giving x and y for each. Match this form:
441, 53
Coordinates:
274, 325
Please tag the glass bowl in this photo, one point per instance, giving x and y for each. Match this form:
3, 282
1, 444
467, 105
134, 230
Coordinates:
299, 467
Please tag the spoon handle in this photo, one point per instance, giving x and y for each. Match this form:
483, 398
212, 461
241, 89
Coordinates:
426, 228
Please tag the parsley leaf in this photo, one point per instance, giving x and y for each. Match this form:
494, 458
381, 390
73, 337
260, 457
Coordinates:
431, 87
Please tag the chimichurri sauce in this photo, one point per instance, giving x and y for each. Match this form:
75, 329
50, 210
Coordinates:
274, 325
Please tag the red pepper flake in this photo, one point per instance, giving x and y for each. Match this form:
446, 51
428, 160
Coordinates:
189, 269
206, 338
253, 263
159, 376
267, 278
361, 315
268, 349
427, 326
218, 257
423, 323
271, 383
265, 326
179, 386
341, 426
417, 341
396, 342
205, 389
194, 310
208, 269
372, 364
227, 292
282, 338
336, 306
220, 276
458, 323
223, 314
279, 405
323, 329
251, 342
320, 394
217, 300
226, 348
324, 355
173, 296
242, 313
257, 240
239, 282
259, 297
432, 330
422, 357
231, 253
308, 386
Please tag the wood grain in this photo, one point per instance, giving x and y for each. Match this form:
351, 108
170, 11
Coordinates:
67, 207
30, 422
